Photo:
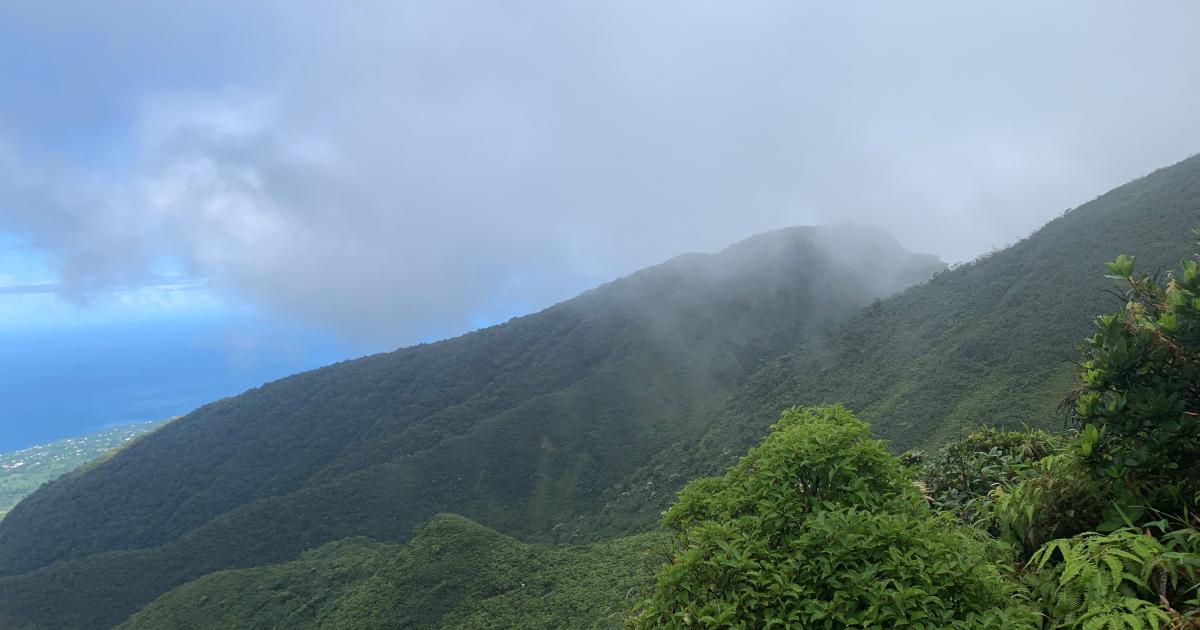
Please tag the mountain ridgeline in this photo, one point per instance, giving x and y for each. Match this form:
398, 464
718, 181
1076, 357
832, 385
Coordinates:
991, 343
452, 574
819, 527
572, 425
23, 471
520, 427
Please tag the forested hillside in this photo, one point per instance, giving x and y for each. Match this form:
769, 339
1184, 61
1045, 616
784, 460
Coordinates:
992, 342
1095, 529
820, 527
23, 471
520, 427
581, 421
453, 573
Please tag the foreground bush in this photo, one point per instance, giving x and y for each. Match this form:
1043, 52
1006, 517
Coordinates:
1107, 517
961, 476
819, 527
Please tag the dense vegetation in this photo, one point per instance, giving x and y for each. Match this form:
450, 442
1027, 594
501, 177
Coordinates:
581, 422
988, 343
453, 573
23, 471
519, 427
820, 526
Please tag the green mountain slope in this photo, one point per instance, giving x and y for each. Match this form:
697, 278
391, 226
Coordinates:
975, 345
991, 342
520, 426
453, 573
23, 471
581, 421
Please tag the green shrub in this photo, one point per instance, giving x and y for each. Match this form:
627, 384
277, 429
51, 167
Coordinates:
820, 527
1136, 456
1055, 498
1124, 579
961, 476
813, 459
1139, 403
454, 573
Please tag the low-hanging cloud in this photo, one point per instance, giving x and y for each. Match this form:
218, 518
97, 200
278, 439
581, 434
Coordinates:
398, 168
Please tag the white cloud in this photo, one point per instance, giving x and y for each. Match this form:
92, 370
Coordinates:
398, 169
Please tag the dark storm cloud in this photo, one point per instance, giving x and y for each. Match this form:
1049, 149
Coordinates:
395, 169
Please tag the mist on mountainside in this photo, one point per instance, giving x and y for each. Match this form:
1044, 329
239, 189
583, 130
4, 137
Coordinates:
601, 314
519, 426
434, 166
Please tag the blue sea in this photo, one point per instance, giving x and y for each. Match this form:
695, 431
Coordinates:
73, 381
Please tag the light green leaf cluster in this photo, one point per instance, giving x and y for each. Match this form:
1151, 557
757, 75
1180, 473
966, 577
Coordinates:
1139, 403
819, 527
1116, 581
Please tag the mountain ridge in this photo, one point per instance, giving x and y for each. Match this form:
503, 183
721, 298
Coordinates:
617, 398
452, 573
990, 342
519, 426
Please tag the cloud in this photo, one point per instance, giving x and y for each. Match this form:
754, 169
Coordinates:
396, 170
55, 287
24, 289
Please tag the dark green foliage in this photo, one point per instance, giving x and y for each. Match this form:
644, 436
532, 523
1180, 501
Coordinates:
582, 420
520, 427
994, 339
23, 471
1139, 405
453, 573
1055, 498
1125, 579
1137, 453
881, 570
864, 560
961, 476
819, 527
1134, 459
990, 341
813, 459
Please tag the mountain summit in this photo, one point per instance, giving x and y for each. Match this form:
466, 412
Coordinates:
520, 426
580, 421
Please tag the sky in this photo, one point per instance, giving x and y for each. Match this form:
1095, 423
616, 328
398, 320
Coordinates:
265, 187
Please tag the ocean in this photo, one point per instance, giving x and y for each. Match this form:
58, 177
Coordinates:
74, 381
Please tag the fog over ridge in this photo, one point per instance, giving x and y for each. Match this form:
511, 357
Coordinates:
393, 170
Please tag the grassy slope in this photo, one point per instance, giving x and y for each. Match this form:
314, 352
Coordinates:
23, 471
520, 427
452, 573
992, 342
